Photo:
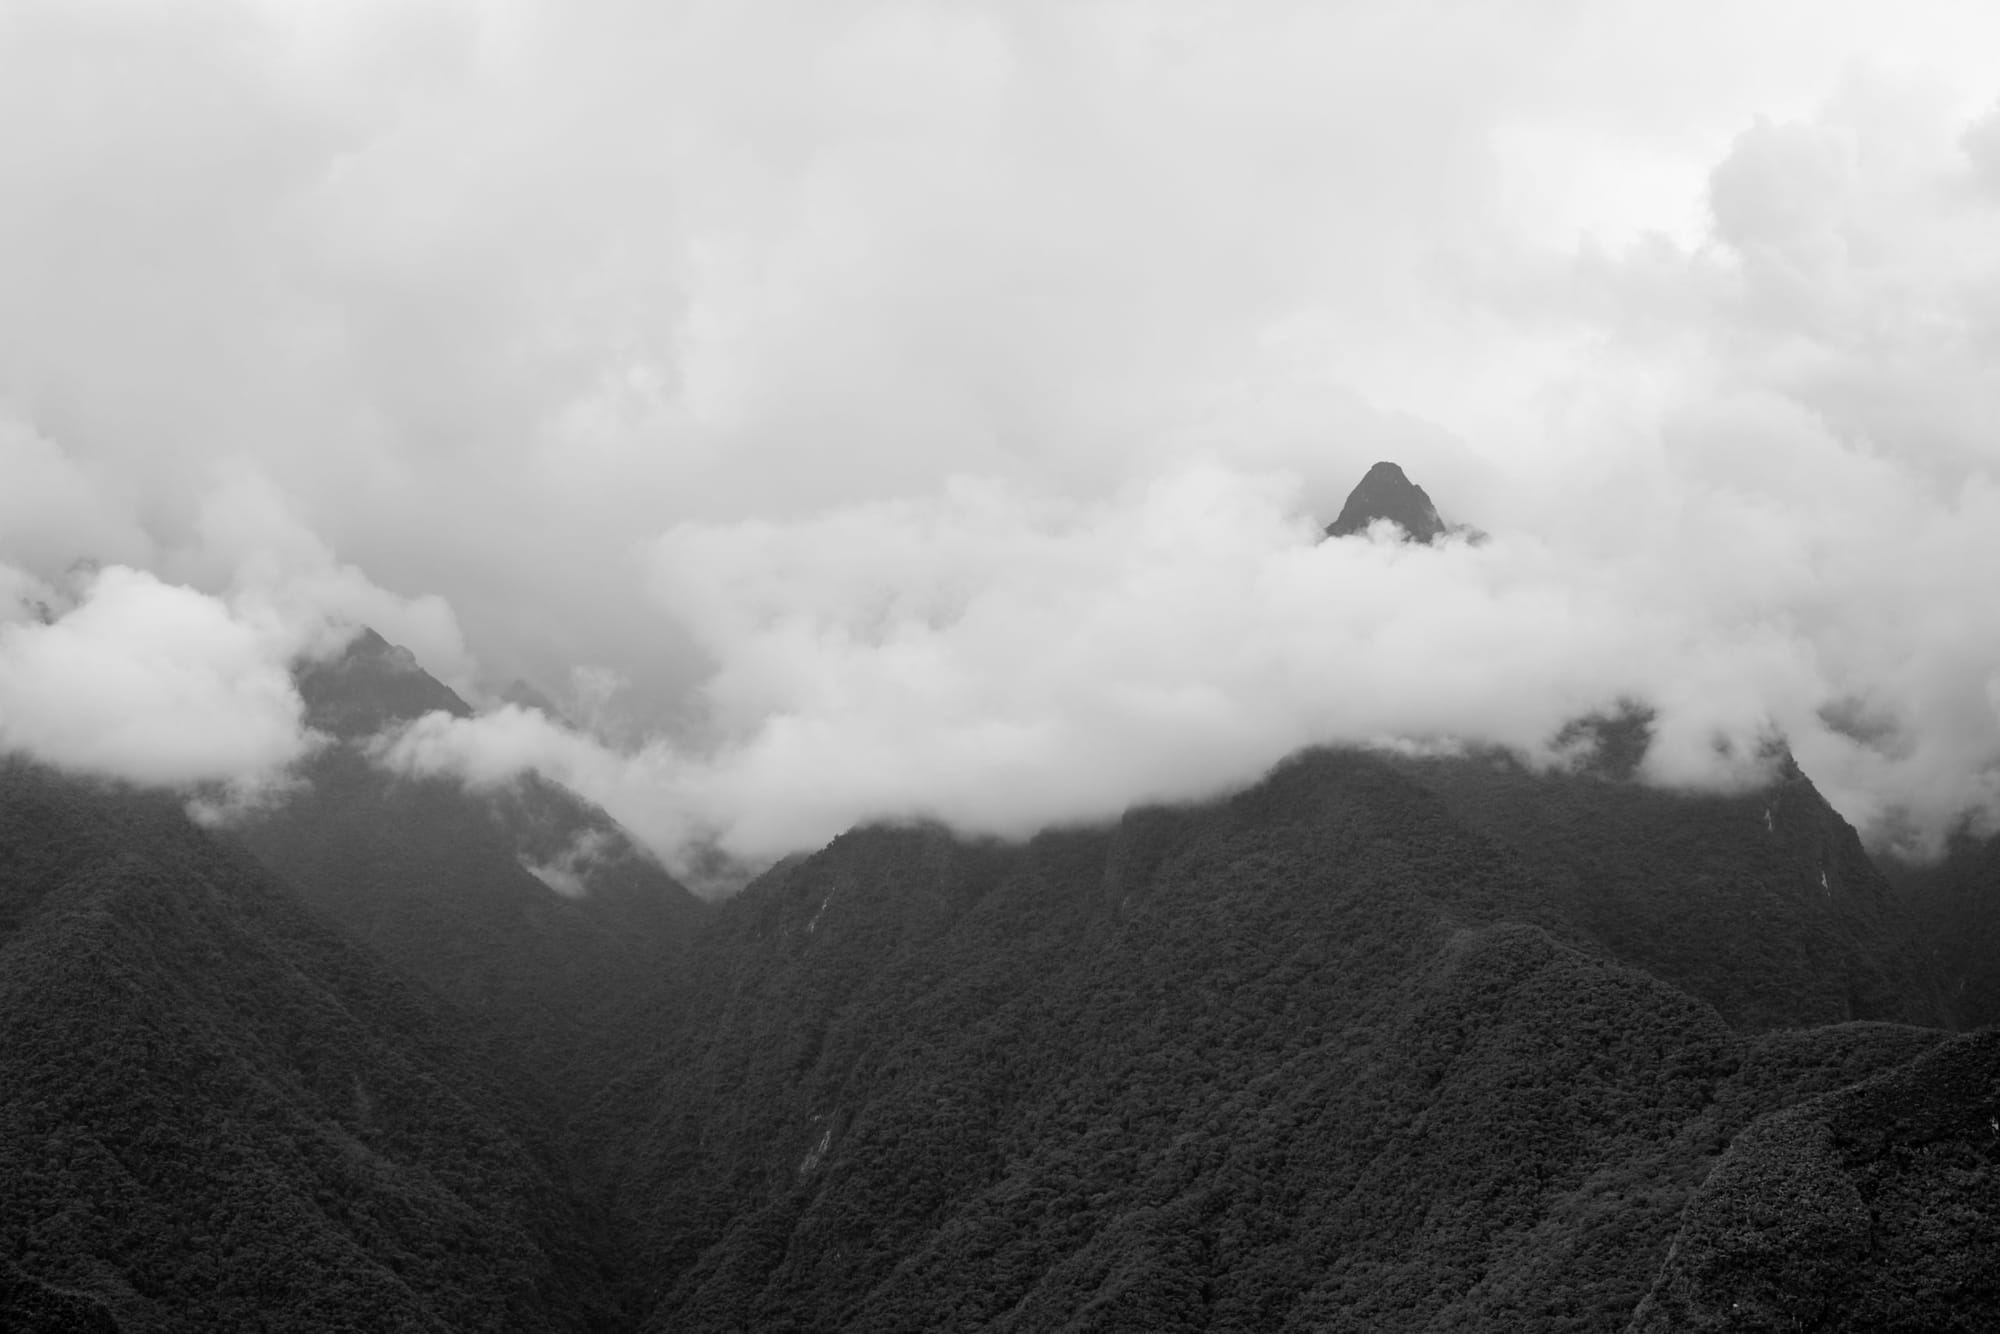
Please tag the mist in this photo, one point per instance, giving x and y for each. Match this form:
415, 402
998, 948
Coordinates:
872, 411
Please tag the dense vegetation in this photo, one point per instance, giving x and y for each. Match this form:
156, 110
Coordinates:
1322, 1056
440, 881
435, 879
1956, 904
1873, 1209
1380, 1044
1763, 904
217, 1114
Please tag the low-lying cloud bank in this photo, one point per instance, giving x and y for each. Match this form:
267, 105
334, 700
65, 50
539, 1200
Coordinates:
177, 675
1002, 664
928, 411
147, 681
1766, 506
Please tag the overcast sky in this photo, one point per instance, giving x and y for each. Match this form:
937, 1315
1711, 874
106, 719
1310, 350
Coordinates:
851, 410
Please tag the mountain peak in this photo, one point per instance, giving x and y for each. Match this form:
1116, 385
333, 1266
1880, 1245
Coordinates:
370, 684
1387, 493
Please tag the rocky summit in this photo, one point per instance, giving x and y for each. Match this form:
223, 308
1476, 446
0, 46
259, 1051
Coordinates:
1387, 493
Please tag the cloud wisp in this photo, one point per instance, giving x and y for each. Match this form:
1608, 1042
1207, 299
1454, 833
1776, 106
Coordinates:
147, 681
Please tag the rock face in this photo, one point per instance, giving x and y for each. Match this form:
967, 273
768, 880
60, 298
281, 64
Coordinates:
369, 685
1386, 493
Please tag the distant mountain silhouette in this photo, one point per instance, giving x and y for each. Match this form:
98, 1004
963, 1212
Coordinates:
1385, 493
369, 685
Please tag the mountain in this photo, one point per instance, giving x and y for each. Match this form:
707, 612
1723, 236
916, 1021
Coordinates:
1875, 1208
1382, 1043
1327, 1055
1355, 1049
1386, 493
1763, 904
1955, 901
370, 685
216, 1113
524, 906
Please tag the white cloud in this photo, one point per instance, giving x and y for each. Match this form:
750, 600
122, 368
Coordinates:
55, 509
1767, 504
277, 571
178, 677
823, 371
149, 682
1003, 664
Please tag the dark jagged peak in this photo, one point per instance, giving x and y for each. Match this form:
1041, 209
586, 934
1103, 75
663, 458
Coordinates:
1387, 493
370, 684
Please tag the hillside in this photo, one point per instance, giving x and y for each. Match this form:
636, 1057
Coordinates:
1380, 1044
215, 1113
1955, 902
524, 906
1764, 904
1872, 1209
1324, 1055
1383, 1043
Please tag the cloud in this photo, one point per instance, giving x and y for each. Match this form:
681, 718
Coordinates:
568, 274
54, 511
147, 681
248, 539
922, 409
180, 676
1003, 664
568, 871
1768, 507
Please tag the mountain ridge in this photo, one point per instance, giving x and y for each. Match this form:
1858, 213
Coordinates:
215, 1111
893, 973
458, 887
1378, 1042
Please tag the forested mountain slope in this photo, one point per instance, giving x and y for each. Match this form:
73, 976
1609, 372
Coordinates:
1955, 902
1874, 1209
568, 971
215, 1113
1763, 904
1326, 1055
1382, 1043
